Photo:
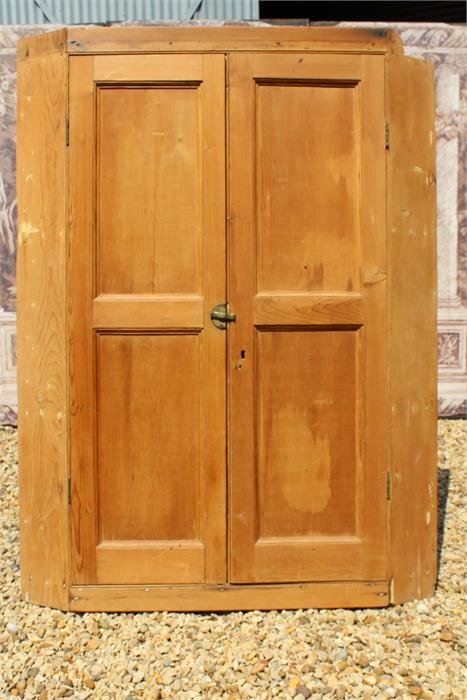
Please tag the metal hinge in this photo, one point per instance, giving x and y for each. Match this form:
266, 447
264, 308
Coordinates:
387, 135
67, 131
388, 486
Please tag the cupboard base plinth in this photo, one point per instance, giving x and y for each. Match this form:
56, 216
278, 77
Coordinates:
334, 594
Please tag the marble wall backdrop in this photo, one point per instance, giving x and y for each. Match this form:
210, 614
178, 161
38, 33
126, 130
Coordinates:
446, 47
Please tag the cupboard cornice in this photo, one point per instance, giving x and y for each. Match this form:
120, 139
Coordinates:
191, 39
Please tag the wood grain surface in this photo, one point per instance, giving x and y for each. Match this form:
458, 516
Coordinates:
412, 326
293, 451
42, 341
102, 40
43, 44
308, 350
143, 311
310, 308
328, 594
148, 380
82, 407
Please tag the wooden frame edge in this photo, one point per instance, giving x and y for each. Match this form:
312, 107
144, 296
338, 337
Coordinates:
333, 594
395, 43
412, 516
42, 44
188, 38
42, 344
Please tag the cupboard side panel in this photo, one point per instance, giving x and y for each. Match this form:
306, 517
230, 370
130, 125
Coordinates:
412, 327
42, 342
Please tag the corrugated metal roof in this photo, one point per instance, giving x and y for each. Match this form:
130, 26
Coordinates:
95, 11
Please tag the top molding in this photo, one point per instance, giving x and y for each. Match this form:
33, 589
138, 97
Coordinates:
80, 40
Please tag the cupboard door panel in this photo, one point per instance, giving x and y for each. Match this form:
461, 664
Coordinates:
148, 470
149, 464
307, 443
147, 367
307, 186
149, 212
307, 266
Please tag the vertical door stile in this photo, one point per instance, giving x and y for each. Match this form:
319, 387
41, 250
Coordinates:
214, 247
81, 261
242, 508
227, 292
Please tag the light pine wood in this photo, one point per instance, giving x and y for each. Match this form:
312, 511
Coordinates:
154, 365
290, 205
330, 594
81, 292
152, 69
311, 308
374, 357
113, 311
306, 426
149, 465
194, 39
412, 327
43, 44
307, 389
135, 561
213, 377
306, 224
41, 311
151, 134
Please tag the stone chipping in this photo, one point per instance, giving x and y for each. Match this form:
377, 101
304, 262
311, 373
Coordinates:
416, 650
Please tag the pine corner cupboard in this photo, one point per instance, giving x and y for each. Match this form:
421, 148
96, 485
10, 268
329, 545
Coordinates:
226, 319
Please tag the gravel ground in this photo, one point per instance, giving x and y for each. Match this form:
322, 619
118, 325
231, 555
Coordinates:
414, 650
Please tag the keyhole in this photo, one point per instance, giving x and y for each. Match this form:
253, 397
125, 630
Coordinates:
239, 364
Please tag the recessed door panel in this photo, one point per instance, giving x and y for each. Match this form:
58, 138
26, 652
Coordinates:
149, 463
147, 173
149, 194
308, 456
307, 267
307, 169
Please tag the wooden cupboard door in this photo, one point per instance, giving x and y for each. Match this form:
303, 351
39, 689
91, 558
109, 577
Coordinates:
147, 367
307, 271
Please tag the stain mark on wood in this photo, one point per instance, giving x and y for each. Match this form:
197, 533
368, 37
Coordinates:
26, 229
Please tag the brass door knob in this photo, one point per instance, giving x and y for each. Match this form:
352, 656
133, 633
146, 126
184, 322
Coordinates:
221, 316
